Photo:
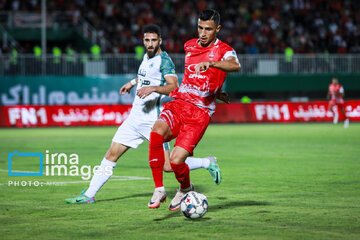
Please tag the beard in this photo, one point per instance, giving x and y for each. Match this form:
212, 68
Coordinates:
152, 52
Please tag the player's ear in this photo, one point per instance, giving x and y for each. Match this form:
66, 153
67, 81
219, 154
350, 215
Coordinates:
160, 41
218, 29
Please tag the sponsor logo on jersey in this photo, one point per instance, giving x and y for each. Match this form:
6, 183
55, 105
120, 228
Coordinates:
211, 55
191, 68
144, 82
193, 75
188, 55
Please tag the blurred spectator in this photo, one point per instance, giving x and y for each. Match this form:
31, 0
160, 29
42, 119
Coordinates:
262, 26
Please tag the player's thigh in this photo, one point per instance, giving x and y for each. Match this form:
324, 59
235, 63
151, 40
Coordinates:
192, 131
332, 103
162, 128
168, 123
128, 134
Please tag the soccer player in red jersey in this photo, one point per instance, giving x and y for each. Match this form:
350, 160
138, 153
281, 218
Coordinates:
336, 97
207, 61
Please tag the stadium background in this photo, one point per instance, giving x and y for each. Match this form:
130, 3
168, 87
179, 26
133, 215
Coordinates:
289, 51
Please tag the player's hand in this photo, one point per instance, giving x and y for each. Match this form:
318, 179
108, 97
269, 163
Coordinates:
126, 88
145, 91
223, 96
201, 67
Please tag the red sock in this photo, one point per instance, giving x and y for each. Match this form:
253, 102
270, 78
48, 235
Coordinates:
182, 174
343, 115
156, 158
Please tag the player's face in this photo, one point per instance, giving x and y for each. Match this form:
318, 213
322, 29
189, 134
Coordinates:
152, 44
335, 81
207, 32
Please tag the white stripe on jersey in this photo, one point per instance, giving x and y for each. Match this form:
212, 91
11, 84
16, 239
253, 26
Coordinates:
231, 54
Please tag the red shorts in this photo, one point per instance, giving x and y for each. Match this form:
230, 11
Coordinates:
186, 121
336, 101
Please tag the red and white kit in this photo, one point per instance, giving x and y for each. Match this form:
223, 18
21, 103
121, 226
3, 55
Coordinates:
201, 89
189, 114
336, 92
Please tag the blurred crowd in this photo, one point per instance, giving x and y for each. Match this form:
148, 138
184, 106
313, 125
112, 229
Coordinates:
249, 26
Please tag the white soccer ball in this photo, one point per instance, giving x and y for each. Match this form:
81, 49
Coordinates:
194, 205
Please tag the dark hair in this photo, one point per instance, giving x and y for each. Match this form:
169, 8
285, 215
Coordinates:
152, 28
210, 14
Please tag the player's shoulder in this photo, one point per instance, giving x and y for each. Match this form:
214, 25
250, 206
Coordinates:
165, 58
190, 43
224, 46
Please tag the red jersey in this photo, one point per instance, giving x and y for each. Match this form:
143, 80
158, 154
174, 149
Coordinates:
336, 91
201, 89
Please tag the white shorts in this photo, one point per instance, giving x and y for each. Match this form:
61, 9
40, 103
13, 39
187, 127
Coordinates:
132, 133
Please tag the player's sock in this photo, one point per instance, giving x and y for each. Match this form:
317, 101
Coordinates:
162, 189
182, 174
100, 177
336, 118
156, 158
195, 163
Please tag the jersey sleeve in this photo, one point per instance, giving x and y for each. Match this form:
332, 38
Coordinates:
341, 90
229, 52
167, 67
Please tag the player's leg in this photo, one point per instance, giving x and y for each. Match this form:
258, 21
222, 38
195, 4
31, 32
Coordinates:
190, 135
331, 106
105, 171
182, 174
167, 166
343, 114
192, 162
102, 175
127, 136
160, 132
209, 163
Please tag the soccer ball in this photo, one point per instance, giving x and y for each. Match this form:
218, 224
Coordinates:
194, 205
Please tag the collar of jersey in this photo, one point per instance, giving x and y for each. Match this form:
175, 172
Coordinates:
147, 56
215, 43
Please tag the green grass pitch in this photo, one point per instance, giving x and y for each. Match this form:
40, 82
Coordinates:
280, 181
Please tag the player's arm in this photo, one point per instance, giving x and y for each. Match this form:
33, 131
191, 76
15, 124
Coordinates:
172, 84
342, 92
128, 86
328, 95
223, 96
230, 64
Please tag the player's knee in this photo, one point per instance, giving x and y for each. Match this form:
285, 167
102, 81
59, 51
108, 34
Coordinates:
162, 129
176, 159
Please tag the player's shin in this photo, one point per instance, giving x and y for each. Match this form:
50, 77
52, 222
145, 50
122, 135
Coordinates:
182, 174
101, 176
196, 163
156, 158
